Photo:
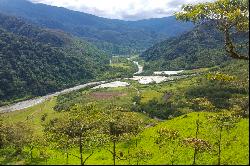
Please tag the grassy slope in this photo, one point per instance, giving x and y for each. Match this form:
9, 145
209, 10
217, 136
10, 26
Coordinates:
236, 153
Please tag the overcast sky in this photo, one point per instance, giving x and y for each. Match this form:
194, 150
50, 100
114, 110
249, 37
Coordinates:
123, 9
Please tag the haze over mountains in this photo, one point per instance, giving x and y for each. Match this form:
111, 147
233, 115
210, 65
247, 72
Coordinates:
112, 36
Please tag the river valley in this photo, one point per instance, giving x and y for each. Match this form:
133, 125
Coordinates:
101, 84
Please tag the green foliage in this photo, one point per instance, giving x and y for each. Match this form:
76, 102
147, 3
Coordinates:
199, 48
32, 64
138, 139
116, 37
120, 67
156, 109
234, 13
228, 15
141, 156
220, 77
79, 129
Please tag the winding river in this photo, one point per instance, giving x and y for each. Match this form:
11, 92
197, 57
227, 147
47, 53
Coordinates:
141, 79
32, 102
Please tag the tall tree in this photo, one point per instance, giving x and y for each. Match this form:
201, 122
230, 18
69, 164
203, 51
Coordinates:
169, 141
121, 126
228, 15
79, 128
223, 122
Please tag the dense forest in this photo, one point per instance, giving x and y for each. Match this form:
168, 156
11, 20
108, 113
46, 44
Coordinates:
113, 36
36, 62
199, 48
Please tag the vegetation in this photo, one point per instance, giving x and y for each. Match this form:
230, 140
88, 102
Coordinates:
220, 22
116, 132
233, 152
202, 119
199, 48
228, 15
113, 36
120, 67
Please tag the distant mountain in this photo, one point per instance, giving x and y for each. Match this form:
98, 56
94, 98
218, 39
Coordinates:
201, 47
113, 36
35, 61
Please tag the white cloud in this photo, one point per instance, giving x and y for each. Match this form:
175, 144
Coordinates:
123, 9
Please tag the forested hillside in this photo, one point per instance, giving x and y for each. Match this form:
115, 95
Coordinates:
113, 36
35, 61
201, 47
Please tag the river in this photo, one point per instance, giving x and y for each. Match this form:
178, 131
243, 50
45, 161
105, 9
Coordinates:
32, 102
141, 79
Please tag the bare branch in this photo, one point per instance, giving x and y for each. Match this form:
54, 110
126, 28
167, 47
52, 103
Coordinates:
88, 157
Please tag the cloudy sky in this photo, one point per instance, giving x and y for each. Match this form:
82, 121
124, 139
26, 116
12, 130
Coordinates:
123, 9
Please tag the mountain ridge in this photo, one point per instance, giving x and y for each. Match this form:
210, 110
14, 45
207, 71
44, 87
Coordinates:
113, 36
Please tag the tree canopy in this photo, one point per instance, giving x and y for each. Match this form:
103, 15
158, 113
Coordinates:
229, 16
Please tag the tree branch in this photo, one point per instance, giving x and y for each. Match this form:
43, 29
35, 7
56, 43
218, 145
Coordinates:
88, 157
230, 47
119, 158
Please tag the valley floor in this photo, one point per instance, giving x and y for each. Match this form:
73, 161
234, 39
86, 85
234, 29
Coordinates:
175, 106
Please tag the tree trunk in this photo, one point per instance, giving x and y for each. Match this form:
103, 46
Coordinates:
196, 136
80, 146
129, 157
86, 159
194, 159
67, 159
114, 151
219, 148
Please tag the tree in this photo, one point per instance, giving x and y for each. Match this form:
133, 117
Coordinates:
135, 152
199, 145
18, 135
223, 121
35, 141
202, 104
57, 131
140, 155
228, 15
121, 126
3, 134
169, 140
80, 128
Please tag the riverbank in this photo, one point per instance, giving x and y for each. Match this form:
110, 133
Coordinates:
99, 84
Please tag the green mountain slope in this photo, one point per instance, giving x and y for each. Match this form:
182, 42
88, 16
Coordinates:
113, 36
201, 47
36, 62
